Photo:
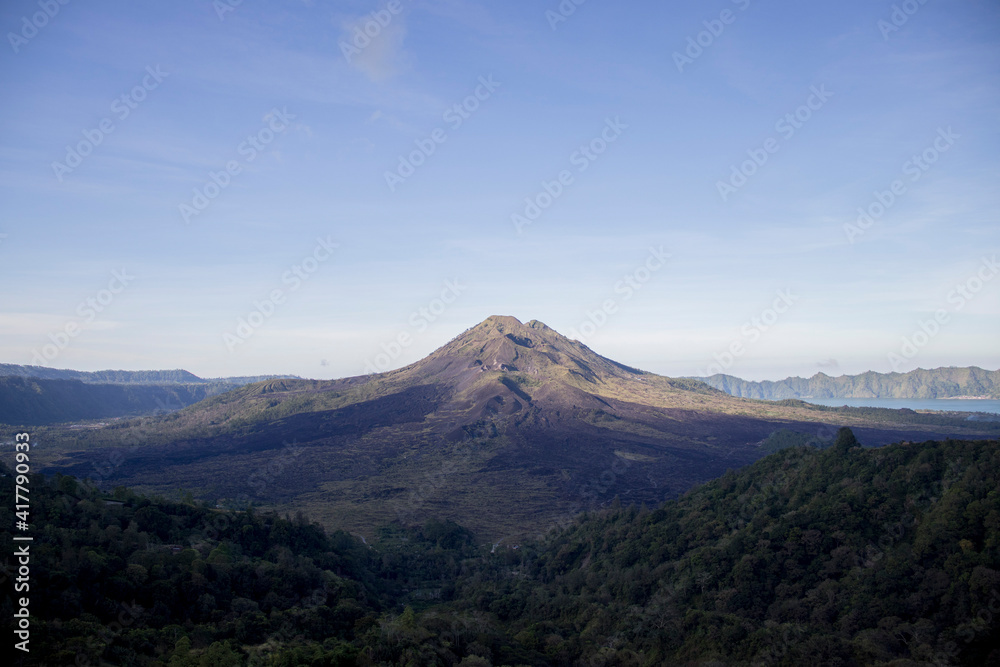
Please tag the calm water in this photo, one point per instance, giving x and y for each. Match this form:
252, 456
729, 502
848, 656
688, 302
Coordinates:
992, 406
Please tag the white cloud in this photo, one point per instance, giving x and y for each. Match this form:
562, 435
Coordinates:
380, 57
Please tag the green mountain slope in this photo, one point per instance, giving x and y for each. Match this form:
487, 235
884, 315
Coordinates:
843, 556
936, 383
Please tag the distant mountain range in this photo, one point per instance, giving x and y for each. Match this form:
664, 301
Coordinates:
126, 377
508, 428
936, 383
35, 395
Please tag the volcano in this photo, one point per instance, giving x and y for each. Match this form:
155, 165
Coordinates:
508, 429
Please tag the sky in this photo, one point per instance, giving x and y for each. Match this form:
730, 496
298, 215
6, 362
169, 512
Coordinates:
325, 189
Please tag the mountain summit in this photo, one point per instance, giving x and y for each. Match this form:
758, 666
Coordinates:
508, 428
504, 364
503, 343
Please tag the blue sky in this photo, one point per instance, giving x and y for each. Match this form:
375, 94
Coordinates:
640, 136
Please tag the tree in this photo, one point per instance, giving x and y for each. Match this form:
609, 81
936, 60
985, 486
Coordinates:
220, 654
845, 440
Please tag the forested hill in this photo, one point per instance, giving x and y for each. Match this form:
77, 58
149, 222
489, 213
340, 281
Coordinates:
844, 556
936, 383
31, 401
35, 395
177, 376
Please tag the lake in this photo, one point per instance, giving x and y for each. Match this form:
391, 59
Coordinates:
957, 404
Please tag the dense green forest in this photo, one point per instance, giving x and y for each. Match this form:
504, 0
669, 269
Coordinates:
842, 556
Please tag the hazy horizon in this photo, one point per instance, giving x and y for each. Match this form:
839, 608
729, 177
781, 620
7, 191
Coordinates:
378, 359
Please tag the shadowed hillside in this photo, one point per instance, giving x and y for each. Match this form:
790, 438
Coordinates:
35, 395
847, 556
507, 416
30, 401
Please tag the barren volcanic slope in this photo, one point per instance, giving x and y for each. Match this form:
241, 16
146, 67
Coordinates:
508, 429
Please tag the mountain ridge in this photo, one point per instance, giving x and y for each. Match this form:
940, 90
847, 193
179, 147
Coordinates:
943, 382
36, 395
174, 376
508, 416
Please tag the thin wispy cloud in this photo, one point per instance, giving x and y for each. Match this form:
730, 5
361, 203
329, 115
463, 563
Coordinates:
376, 46
376, 108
